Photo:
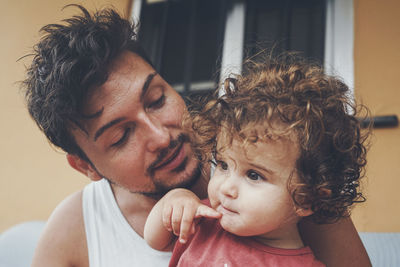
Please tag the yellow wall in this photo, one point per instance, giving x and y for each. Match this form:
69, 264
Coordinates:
377, 84
33, 177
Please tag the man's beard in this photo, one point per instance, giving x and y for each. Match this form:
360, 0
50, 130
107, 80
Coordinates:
161, 189
188, 183
162, 186
178, 142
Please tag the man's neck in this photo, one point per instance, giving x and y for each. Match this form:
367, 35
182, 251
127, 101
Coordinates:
134, 206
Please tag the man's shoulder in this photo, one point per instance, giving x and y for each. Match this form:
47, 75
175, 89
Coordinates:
68, 214
63, 241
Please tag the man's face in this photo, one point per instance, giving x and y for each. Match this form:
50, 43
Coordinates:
137, 141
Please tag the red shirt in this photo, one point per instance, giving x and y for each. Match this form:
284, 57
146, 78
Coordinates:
211, 245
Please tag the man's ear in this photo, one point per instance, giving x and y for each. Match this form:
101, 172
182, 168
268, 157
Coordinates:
84, 167
303, 212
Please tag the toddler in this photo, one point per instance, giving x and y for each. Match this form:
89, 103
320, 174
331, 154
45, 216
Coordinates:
286, 144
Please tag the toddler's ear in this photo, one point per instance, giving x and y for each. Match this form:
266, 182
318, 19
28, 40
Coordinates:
304, 212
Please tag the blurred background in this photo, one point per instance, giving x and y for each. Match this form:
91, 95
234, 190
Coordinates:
189, 42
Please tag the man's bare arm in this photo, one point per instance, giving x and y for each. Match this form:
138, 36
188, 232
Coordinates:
336, 244
63, 241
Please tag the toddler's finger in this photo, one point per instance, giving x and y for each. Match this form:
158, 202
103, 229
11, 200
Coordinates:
193, 228
186, 224
166, 217
205, 211
176, 218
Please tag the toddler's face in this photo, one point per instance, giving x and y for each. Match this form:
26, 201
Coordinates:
249, 187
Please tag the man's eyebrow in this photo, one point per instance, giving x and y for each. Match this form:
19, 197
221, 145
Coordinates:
113, 122
147, 84
105, 127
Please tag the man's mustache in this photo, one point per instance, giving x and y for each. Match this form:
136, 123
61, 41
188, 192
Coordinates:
182, 138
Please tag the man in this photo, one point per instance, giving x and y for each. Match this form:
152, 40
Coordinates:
92, 92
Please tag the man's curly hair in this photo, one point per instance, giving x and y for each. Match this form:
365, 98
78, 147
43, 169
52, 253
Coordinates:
70, 59
314, 107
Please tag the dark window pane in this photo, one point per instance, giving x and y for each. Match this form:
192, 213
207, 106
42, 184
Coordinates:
150, 29
294, 25
185, 38
208, 41
176, 36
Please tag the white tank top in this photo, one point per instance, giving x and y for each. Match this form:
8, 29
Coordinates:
111, 240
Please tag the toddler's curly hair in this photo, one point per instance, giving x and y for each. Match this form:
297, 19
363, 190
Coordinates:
315, 107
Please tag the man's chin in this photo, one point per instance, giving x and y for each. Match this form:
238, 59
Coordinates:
188, 183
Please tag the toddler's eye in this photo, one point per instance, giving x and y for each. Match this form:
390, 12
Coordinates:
222, 164
253, 175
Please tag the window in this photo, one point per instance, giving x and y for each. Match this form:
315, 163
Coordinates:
184, 40
196, 43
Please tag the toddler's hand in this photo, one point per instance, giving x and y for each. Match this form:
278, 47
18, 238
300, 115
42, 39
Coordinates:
180, 208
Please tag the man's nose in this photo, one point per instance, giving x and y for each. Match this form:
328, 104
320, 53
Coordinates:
158, 136
229, 187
